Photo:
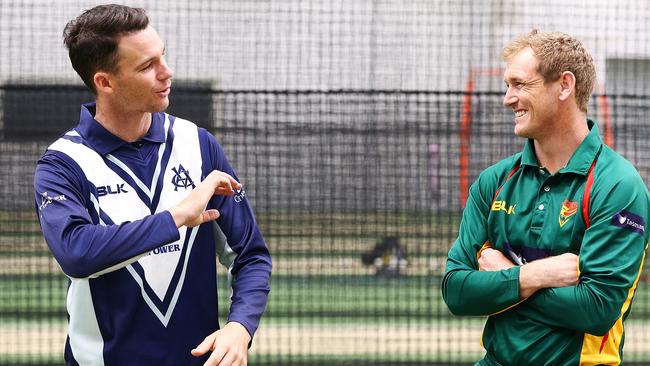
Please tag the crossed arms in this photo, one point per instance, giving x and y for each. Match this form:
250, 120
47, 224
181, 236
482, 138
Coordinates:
557, 290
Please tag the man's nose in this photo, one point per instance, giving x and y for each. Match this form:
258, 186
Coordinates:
510, 98
166, 72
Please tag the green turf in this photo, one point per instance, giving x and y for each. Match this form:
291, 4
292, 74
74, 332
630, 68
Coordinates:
281, 360
367, 298
451, 359
39, 299
359, 298
367, 359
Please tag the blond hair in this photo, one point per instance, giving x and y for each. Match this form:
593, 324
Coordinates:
558, 52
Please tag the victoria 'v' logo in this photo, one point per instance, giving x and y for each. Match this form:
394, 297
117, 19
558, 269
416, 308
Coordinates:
181, 178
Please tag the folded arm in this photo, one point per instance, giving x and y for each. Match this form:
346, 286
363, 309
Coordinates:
465, 289
610, 263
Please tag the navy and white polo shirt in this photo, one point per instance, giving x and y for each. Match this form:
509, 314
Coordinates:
143, 292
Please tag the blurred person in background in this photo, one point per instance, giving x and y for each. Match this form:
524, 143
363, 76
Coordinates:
135, 204
552, 239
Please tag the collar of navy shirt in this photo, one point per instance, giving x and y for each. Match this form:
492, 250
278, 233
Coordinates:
104, 142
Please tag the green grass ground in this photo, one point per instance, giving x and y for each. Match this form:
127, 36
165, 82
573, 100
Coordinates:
342, 298
305, 306
325, 308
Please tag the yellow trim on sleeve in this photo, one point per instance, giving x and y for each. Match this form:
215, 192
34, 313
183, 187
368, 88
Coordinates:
508, 308
485, 246
605, 350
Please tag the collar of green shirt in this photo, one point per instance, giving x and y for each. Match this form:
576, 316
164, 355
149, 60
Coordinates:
580, 160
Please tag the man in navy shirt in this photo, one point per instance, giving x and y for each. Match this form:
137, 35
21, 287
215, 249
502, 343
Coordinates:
133, 203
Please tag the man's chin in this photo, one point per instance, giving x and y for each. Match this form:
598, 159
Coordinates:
160, 108
521, 132
517, 132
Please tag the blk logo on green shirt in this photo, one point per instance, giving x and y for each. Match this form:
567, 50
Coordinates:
503, 206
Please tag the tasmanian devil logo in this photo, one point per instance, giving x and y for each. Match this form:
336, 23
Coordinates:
181, 178
569, 209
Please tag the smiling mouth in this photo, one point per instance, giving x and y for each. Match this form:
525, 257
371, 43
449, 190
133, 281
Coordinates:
520, 113
164, 91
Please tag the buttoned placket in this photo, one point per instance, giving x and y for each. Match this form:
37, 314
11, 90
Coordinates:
541, 205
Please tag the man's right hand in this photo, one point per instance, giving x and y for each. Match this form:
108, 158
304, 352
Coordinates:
191, 211
557, 271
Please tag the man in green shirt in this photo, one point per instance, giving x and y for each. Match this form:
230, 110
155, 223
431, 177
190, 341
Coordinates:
552, 239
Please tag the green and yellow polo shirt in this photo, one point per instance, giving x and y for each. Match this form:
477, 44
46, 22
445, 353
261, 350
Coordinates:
535, 215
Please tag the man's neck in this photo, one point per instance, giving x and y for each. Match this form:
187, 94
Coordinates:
555, 149
129, 126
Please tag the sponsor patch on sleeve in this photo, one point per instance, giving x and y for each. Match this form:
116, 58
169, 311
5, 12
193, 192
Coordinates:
629, 221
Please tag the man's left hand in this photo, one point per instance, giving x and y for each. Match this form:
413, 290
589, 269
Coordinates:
493, 260
229, 346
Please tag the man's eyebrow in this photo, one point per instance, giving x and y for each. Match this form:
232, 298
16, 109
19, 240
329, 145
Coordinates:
513, 79
152, 58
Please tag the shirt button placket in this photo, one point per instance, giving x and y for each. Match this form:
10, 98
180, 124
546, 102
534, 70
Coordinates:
541, 206
540, 212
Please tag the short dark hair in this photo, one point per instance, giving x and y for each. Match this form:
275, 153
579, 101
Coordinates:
92, 38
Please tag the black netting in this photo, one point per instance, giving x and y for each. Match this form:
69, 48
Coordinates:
354, 125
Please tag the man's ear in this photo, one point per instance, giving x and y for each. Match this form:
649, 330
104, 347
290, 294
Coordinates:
102, 82
567, 85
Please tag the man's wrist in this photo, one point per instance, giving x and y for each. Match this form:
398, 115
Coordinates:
236, 324
177, 216
530, 280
